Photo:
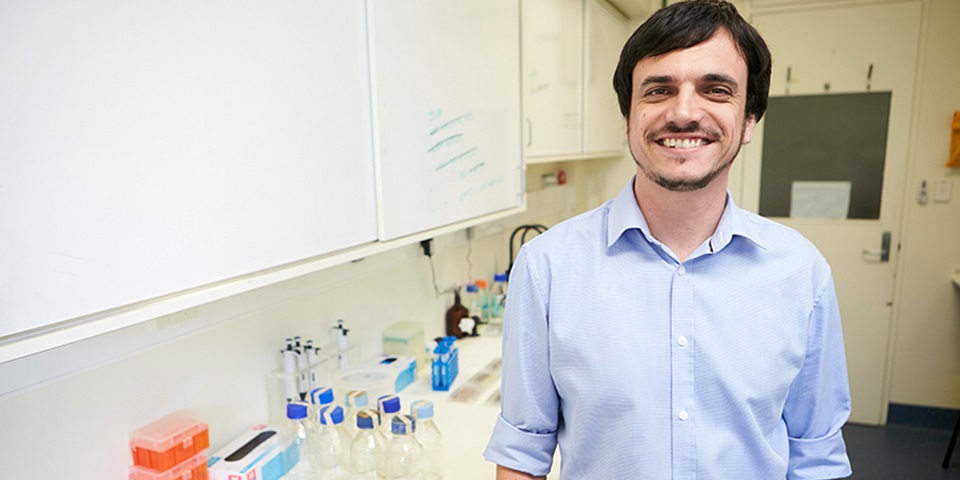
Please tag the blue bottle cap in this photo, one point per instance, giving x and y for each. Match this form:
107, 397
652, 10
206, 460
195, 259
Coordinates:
449, 340
364, 421
389, 403
472, 288
356, 399
500, 277
336, 414
296, 410
399, 427
442, 348
321, 396
422, 409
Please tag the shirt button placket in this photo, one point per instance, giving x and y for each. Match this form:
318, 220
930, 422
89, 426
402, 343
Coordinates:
683, 371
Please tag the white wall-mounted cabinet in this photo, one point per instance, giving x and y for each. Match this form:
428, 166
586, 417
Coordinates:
570, 50
604, 36
448, 140
140, 179
552, 72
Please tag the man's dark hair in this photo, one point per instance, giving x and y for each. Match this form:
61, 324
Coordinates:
685, 24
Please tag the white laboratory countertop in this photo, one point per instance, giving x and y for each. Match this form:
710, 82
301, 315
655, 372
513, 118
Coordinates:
466, 427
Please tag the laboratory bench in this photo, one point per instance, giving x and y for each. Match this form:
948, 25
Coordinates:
467, 412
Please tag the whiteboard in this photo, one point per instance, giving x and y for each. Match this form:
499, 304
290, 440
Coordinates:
446, 93
148, 147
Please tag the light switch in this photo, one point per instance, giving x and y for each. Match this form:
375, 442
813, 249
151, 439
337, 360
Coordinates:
942, 190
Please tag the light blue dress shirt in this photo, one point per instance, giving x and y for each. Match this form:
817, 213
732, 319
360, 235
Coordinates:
729, 365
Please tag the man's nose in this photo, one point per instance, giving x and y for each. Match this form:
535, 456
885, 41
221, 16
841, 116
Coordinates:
685, 107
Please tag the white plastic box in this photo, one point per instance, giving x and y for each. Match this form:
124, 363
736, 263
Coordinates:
406, 338
259, 453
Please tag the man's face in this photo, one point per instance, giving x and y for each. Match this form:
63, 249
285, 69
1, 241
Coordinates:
687, 119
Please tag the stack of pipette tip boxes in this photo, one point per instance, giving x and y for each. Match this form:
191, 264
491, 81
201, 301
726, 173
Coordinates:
171, 448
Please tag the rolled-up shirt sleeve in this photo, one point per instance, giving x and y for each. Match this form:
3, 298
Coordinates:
525, 435
818, 403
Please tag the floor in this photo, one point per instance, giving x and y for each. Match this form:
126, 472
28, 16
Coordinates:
899, 452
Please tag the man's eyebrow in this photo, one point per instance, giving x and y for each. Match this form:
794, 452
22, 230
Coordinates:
710, 77
656, 79
721, 78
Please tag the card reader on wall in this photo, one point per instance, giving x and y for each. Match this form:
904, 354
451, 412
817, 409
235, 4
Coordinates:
401, 367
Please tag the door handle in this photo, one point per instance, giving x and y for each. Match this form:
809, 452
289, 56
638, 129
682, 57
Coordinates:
882, 255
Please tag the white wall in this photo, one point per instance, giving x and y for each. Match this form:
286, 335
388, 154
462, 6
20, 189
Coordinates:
926, 349
212, 361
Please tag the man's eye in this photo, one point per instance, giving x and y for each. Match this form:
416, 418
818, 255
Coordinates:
656, 91
718, 91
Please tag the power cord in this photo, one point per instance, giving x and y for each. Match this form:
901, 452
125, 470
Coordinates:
523, 238
427, 246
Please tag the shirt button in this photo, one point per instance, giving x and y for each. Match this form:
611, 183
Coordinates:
684, 414
682, 341
681, 270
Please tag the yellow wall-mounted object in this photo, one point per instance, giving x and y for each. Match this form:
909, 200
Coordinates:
954, 160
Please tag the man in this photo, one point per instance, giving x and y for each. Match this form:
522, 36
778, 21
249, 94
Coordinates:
669, 334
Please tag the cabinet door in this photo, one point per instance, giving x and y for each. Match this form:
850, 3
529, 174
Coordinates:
552, 61
448, 138
604, 35
166, 147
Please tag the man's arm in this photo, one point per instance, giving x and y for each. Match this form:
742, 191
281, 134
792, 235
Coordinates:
525, 435
818, 402
504, 473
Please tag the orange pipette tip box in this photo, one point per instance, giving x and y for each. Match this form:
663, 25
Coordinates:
193, 469
168, 442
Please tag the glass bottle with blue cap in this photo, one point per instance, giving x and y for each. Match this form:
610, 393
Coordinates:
353, 402
404, 457
319, 397
430, 439
389, 406
301, 460
368, 447
333, 443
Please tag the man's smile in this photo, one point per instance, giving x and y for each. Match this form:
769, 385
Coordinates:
683, 143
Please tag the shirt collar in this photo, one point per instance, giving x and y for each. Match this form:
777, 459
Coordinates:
625, 215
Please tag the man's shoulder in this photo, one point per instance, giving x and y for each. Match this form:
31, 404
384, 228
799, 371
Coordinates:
779, 239
576, 231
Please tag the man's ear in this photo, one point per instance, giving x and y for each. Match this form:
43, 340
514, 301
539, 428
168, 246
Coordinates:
748, 124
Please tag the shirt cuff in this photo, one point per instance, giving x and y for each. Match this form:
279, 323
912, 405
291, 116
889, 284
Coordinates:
819, 458
521, 450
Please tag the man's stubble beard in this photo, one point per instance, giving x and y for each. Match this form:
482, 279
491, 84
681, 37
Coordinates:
681, 185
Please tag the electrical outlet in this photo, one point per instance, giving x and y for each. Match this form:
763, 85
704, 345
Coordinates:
942, 190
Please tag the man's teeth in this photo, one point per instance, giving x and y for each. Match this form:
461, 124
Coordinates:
682, 143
